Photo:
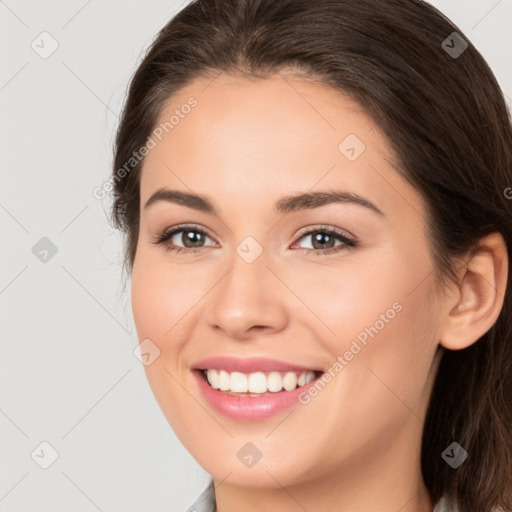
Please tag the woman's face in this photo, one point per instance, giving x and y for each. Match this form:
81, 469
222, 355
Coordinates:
266, 280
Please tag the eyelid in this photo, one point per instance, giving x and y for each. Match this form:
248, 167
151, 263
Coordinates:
300, 234
189, 227
165, 235
324, 227
348, 241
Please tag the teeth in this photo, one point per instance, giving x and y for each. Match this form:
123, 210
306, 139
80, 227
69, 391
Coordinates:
290, 381
258, 382
238, 382
274, 382
224, 380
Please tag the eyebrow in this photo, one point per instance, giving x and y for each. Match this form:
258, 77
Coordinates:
284, 205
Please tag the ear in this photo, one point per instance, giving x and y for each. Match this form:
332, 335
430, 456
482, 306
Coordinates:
473, 306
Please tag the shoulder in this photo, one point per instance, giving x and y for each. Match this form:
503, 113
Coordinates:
442, 506
205, 501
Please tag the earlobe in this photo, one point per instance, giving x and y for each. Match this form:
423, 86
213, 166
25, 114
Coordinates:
474, 306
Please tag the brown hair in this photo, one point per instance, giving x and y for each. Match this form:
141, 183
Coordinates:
445, 117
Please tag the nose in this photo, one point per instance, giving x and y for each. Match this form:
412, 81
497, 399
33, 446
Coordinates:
248, 301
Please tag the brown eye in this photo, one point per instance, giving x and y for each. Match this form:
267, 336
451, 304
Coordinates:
194, 237
323, 241
190, 237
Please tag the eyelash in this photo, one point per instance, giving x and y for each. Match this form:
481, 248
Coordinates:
348, 242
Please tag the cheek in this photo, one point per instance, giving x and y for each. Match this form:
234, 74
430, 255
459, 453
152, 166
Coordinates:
146, 302
402, 353
161, 297
160, 302
351, 298
384, 324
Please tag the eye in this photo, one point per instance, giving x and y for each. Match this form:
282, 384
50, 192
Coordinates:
323, 241
191, 237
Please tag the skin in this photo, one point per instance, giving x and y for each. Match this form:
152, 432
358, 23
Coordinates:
356, 446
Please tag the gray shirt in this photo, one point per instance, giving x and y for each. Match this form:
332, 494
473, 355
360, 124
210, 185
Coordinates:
206, 502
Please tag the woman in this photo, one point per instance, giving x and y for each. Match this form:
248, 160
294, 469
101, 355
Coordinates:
316, 201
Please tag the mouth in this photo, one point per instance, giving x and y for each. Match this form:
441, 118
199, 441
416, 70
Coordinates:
252, 389
259, 383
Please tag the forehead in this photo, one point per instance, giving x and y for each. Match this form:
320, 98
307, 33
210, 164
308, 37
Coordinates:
280, 134
253, 112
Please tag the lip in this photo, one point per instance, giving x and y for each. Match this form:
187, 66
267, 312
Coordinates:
250, 365
247, 408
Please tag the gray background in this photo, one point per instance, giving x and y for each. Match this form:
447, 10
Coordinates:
68, 374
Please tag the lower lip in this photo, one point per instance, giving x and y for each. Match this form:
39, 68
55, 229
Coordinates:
247, 407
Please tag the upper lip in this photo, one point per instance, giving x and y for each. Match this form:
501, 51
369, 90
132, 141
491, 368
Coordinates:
249, 365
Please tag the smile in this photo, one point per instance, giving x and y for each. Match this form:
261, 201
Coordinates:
257, 383
252, 389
